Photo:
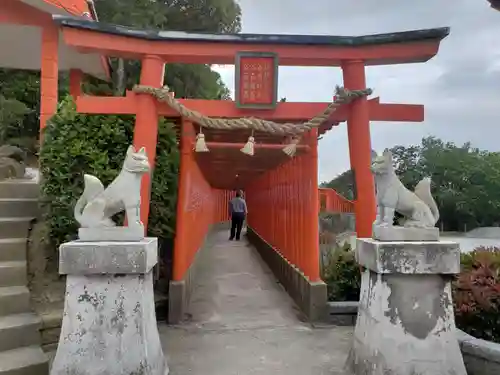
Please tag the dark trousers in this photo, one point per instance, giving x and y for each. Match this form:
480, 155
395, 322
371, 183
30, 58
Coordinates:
237, 219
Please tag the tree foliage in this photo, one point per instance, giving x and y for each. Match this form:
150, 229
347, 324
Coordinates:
465, 180
187, 81
20, 107
341, 275
342, 184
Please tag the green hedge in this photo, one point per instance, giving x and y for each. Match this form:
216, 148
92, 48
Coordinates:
75, 144
476, 294
341, 275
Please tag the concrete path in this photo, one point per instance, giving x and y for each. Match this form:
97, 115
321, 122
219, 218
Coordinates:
242, 322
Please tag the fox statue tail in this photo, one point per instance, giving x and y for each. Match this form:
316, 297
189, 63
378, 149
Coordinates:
423, 191
93, 187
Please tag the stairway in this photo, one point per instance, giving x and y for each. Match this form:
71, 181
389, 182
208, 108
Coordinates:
20, 351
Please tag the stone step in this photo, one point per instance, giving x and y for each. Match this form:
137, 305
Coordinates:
30, 360
19, 189
13, 273
19, 330
14, 300
14, 227
12, 249
51, 327
18, 207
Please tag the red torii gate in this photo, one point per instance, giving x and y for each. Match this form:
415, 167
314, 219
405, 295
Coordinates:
352, 54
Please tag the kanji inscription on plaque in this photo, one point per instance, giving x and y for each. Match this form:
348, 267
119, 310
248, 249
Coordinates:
256, 80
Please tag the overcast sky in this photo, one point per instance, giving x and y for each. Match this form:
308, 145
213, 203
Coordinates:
460, 87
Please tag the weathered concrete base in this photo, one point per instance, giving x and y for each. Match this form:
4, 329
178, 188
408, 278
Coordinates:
179, 291
134, 233
405, 322
311, 297
402, 325
397, 233
178, 299
128, 257
109, 323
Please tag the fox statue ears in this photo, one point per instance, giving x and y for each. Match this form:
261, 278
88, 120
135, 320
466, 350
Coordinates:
386, 154
131, 150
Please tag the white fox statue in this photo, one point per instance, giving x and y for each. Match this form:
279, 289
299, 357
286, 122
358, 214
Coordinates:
418, 207
96, 205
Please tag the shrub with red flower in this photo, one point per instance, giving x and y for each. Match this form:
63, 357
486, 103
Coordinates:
476, 294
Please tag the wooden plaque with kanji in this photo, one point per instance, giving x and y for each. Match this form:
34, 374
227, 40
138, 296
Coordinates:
256, 80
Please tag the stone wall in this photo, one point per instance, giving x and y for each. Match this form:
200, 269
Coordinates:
481, 357
47, 287
336, 222
342, 313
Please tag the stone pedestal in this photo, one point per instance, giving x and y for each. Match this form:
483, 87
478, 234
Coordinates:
109, 323
396, 233
405, 323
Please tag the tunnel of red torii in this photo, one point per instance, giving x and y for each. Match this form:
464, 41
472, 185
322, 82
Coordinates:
281, 191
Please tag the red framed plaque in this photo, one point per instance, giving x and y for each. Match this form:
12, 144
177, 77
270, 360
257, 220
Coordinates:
256, 80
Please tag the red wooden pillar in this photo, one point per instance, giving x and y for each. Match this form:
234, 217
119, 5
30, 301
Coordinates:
285, 235
311, 219
283, 214
295, 212
75, 82
180, 244
358, 131
146, 124
271, 201
291, 211
49, 73
301, 212
279, 229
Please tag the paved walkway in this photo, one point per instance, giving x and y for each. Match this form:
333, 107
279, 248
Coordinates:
242, 323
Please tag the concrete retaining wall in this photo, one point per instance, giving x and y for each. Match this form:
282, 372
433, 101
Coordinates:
481, 357
310, 297
342, 313
180, 291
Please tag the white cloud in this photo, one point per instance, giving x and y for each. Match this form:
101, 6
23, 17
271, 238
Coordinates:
460, 87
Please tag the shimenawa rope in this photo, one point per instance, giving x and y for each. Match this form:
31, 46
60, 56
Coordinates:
342, 96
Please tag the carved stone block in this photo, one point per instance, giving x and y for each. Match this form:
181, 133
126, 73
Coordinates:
85, 258
413, 258
396, 233
135, 233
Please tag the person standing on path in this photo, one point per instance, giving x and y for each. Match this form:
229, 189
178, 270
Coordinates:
237, 212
